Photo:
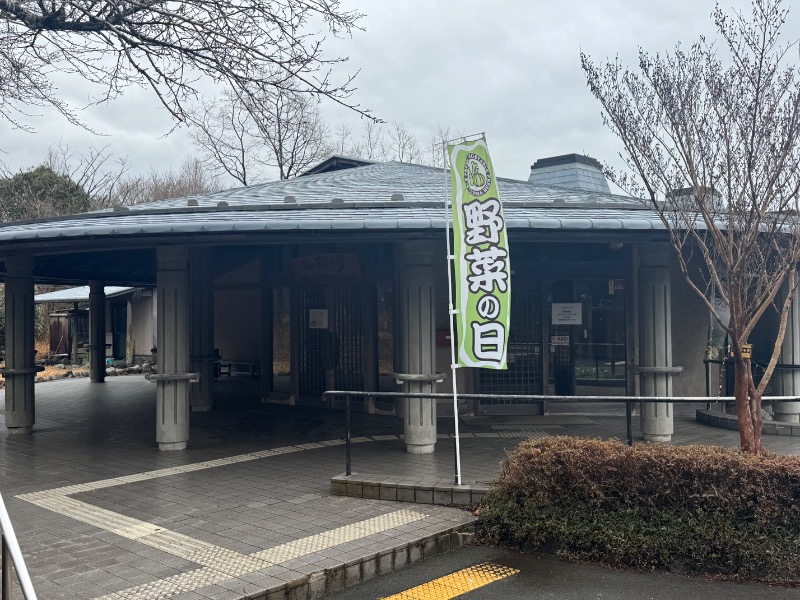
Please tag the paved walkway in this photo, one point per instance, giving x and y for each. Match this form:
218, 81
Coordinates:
246, 511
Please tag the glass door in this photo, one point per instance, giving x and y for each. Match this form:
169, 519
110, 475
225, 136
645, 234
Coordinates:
586, 342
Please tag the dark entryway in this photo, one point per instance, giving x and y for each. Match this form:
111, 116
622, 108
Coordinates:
336, 333
119, 329
524, 374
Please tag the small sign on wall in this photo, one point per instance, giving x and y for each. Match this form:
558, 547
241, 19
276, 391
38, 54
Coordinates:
615, 285
567, 313
318, 318
443, 338
559, 340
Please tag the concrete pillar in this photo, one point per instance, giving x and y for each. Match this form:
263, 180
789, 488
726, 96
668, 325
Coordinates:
73, 319
97, 332
201, 396
20, 371
417, 328
173, 377
655, 340
789, 379
267, 333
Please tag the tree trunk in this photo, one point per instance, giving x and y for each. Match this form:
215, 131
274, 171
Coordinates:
755, 409
748, 406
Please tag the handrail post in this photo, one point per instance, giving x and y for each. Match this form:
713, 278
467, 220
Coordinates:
629, 421
12, 555
6, 558
348, 468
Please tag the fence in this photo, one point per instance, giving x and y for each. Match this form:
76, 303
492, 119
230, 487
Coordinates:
727, 368
629, 401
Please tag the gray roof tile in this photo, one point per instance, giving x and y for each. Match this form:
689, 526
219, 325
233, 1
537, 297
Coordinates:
367, 192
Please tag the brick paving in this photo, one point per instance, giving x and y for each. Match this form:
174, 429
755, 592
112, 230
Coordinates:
246, 511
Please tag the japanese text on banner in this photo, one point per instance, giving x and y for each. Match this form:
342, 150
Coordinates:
481, 266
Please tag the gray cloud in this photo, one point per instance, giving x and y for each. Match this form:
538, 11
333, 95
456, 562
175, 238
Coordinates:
509, 68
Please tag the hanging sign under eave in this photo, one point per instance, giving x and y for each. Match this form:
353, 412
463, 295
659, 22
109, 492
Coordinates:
481, 264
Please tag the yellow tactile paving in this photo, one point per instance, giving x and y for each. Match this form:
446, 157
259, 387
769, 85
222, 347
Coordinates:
456, 584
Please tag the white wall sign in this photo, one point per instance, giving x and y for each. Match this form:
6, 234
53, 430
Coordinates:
559, 340
318, 318
567, 313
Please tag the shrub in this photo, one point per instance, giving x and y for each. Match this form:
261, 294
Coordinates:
701, 509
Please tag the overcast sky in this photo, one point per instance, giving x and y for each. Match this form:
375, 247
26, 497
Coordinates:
509, 68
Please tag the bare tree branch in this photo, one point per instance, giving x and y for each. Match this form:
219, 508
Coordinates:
290, 127
167, 47
224, 134
402, 144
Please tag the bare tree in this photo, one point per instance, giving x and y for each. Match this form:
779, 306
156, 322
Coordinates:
438, 144
96, 171
402, 144
223, 133
242, 136
374, 142
166, 47
191, 178
714, 145
344, 143
290, 126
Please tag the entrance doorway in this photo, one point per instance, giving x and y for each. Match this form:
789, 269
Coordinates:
587, 349
119, 329
524, 374
336, 333
568, 337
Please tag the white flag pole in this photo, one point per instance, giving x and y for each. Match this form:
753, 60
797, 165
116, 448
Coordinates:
452, 312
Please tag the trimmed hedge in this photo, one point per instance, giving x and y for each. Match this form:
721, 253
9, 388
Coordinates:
699, 509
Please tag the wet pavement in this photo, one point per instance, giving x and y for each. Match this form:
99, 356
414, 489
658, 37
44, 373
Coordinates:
246, 511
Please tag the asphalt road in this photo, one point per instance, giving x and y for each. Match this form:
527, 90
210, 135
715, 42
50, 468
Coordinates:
545, 577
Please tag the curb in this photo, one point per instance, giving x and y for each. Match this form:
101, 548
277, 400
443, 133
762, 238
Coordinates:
419, 491
726, 421
319, 584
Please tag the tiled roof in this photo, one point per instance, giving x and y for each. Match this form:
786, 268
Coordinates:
378, 182
380, 196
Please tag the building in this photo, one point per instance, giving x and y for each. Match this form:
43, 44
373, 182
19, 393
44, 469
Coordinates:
129, 328
337, 279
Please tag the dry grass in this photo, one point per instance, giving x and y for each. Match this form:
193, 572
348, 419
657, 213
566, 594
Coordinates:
42, 347
50, 370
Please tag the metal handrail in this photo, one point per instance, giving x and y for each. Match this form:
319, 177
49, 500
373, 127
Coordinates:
628, 400
11, 549
728, 360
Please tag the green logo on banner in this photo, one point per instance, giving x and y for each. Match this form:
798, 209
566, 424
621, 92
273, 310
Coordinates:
476, 175
482, 270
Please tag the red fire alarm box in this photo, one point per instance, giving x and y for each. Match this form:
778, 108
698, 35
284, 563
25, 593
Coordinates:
443, 337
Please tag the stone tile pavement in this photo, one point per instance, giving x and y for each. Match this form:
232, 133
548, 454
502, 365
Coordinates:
246, 511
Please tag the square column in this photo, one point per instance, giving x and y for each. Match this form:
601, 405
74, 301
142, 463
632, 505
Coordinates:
97, 332
20, 371
655, 341
172, 328
417, 331
789, 379
73, 320
267, 325
201, 396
